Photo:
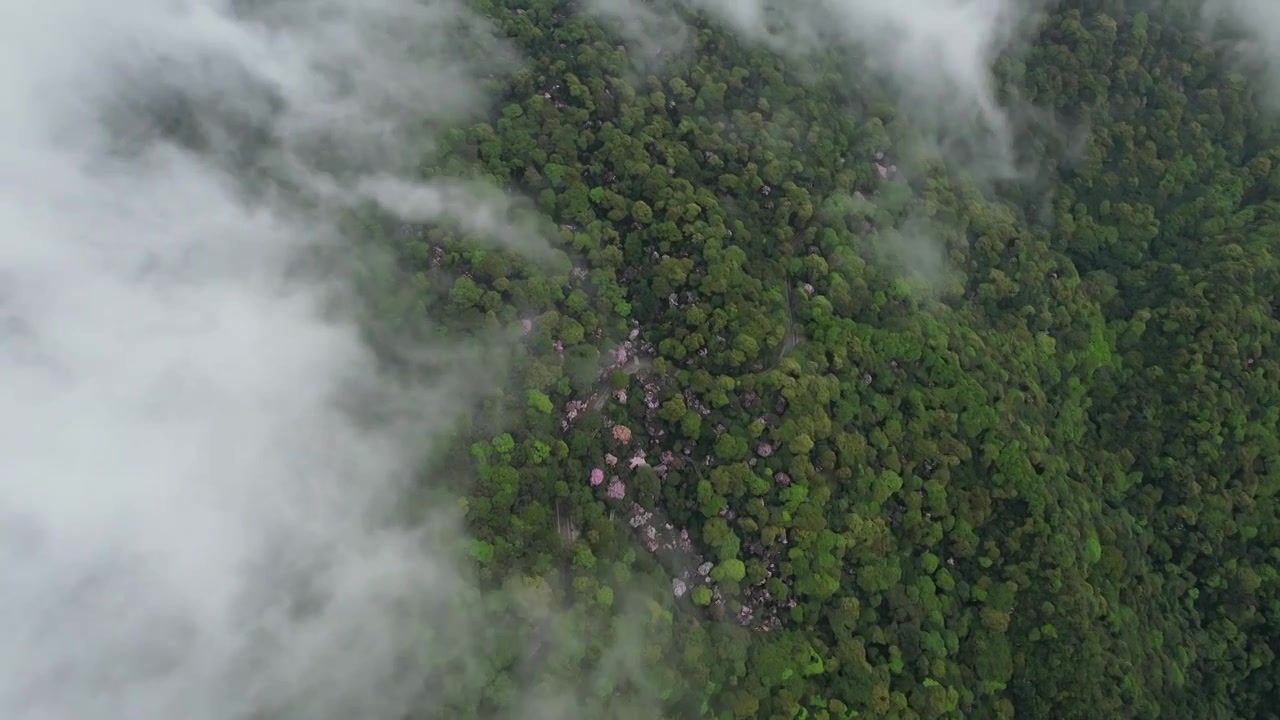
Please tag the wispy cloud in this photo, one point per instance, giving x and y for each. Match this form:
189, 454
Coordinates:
936, 56
196, 498
1255, 25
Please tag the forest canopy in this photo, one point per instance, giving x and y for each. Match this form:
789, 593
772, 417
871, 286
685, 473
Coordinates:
875, 372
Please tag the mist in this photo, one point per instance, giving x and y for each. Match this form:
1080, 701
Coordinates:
201, 457
935, 56
1255, 24
936, 61
652, 31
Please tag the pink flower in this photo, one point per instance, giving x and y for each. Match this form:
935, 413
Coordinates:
622, 434
620, 355
638, 460
616, 490
597, 477
610, 459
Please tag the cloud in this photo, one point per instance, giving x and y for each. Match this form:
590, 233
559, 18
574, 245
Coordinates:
937, 62
936, 58
936, 55
653, 30
473, 209
1255, 27
201, 457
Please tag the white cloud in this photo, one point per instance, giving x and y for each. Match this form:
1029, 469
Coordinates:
189, 518
1257, 24
937, 55
652, 29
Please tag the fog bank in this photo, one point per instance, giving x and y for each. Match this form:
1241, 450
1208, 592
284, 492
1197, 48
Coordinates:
193, 522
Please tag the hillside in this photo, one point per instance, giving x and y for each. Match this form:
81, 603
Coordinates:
829, 404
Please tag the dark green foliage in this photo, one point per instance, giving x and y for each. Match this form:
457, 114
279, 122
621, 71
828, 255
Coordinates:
1044, 487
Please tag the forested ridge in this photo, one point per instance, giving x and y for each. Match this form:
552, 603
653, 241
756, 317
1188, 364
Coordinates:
804, 422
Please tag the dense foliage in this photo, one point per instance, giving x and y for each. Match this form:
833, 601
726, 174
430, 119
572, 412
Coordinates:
807, 438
